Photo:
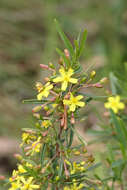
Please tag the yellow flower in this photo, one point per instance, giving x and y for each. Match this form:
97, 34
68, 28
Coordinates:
36, 146
15, 185
77, 167
21, 169
65, 78
114, 103
14, 176
74, 187
46, 123
74, 102
28, 185
43, 90
26, 138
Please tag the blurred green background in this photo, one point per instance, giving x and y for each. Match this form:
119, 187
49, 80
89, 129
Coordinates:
28, 37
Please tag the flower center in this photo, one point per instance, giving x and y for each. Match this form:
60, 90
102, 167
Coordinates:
27, 186
74, 100
66, 78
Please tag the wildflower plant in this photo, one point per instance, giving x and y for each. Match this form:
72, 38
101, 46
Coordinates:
49, 158
113, 137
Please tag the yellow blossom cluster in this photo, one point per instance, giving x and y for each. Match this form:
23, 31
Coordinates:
18, 181
74, 186
49, 144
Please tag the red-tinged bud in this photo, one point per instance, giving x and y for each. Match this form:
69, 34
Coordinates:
36, 109
67, 96
48, 112
29, 131
98, 85
66, 53
104, 80
44, 134
18, 157
27, 148
72, 119
44, 66
46, 79
53, 99
2, 177
106, 114
62, 121
37, 115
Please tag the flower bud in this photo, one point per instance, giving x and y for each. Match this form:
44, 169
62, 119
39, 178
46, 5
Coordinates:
91, 158
62, 121
2, 177
66, 53
44, 66
36, 115
83, 80
77, 153
72, 119
46, 79
60, 61
84, 150
18, 157
36, 109
106, 114
46, 108
51, 66
92, 74
98, 85
104, 80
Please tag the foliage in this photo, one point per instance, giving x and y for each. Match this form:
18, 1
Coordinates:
49, 158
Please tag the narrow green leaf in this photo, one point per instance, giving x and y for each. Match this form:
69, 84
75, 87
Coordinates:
71, 137
34, 101
94, 166
82, 43
119, 134
123, 128
43, 154
79, 136
94, 96
118, 163
114, 83
64, 38
60, 168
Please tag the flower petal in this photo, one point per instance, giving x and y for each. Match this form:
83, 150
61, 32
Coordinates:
81, 104
73, 80
72, 107
111, 99
46, 93
117, 98
79, 97
70, 72
107, 105
58, 79
49, 87
66, 102
121, 105
64, 85
115, 109
39, 96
